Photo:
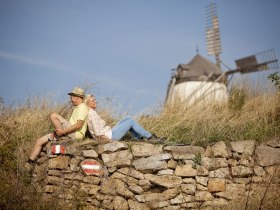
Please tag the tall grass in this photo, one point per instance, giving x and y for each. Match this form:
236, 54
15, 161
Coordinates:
246, 116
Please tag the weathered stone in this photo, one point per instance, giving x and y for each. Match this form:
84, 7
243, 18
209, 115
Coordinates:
201, 180
167, 181
259, 171
172, 164
217, 203
74, 164
153, 163
216, 185
202, 171
54, 173
241, 180
60, 162
189, 180
74, 176
184, 152
203, 196
188, 188
136, 189
51, 189
241, 171
144, 149
131, 172
53, 180
90, 153
267, 156
115, 187
90, 189
178, 200
157, 204
233, 191
126, 179
247, 147
274, 142
200, 187
220, 149
192, 205
120, 203
149, 197
117, 159
111, 147
145, 184
91, 179
185, 171
134, 205
166, 172
220, 173
214, 163
170, 193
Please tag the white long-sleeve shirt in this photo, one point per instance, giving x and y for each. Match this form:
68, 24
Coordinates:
97, 126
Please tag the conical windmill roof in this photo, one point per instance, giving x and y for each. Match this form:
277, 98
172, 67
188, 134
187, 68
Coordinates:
198, 67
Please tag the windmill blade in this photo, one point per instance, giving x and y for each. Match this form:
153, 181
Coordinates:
261, 61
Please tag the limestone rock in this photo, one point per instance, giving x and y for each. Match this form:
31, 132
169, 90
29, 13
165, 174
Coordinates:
60, 162
184, 152
144, 149
220, 149
115, 187
202, 180
267, 156
136, 189
247, 147
120, 203
167, 181
153, 163
185, 171
90, 153
203, 196
233, 191
241, 171
274, 142
216, 185
111, 147
134, 205
117, 159
214, 163
188, 188
220, 173
131, 172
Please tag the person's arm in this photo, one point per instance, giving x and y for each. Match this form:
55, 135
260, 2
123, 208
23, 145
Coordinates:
70, 129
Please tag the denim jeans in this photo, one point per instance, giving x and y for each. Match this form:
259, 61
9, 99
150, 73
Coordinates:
129, 124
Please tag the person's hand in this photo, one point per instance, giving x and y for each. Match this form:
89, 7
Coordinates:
59, 132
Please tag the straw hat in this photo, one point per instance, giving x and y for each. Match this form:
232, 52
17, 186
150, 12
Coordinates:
77, 92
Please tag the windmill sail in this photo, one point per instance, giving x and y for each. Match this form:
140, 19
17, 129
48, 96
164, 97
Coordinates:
265, 60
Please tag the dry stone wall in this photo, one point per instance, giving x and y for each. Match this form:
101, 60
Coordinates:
140, 175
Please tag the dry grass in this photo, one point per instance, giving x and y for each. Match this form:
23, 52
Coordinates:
257, 117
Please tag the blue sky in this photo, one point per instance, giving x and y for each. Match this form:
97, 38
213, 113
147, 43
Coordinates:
126, 48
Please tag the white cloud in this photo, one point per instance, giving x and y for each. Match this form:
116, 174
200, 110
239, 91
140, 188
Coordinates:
32, 61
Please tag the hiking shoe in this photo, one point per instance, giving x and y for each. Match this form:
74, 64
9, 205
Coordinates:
155, 139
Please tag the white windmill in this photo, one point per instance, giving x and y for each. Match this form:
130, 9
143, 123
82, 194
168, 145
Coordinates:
201, 80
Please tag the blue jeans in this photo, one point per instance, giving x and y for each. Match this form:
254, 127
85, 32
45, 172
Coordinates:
129, 124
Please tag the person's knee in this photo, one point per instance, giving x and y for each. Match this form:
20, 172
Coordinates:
53, 115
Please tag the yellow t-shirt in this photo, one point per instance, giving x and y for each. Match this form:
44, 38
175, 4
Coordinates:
79, 113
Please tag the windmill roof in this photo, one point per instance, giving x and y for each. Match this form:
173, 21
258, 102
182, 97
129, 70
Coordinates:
199, 66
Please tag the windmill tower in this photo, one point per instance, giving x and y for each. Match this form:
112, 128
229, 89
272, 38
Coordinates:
203, 81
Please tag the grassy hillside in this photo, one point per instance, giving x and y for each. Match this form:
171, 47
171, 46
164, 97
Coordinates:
246, 116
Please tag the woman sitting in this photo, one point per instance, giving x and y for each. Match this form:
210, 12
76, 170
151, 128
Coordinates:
97, 126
